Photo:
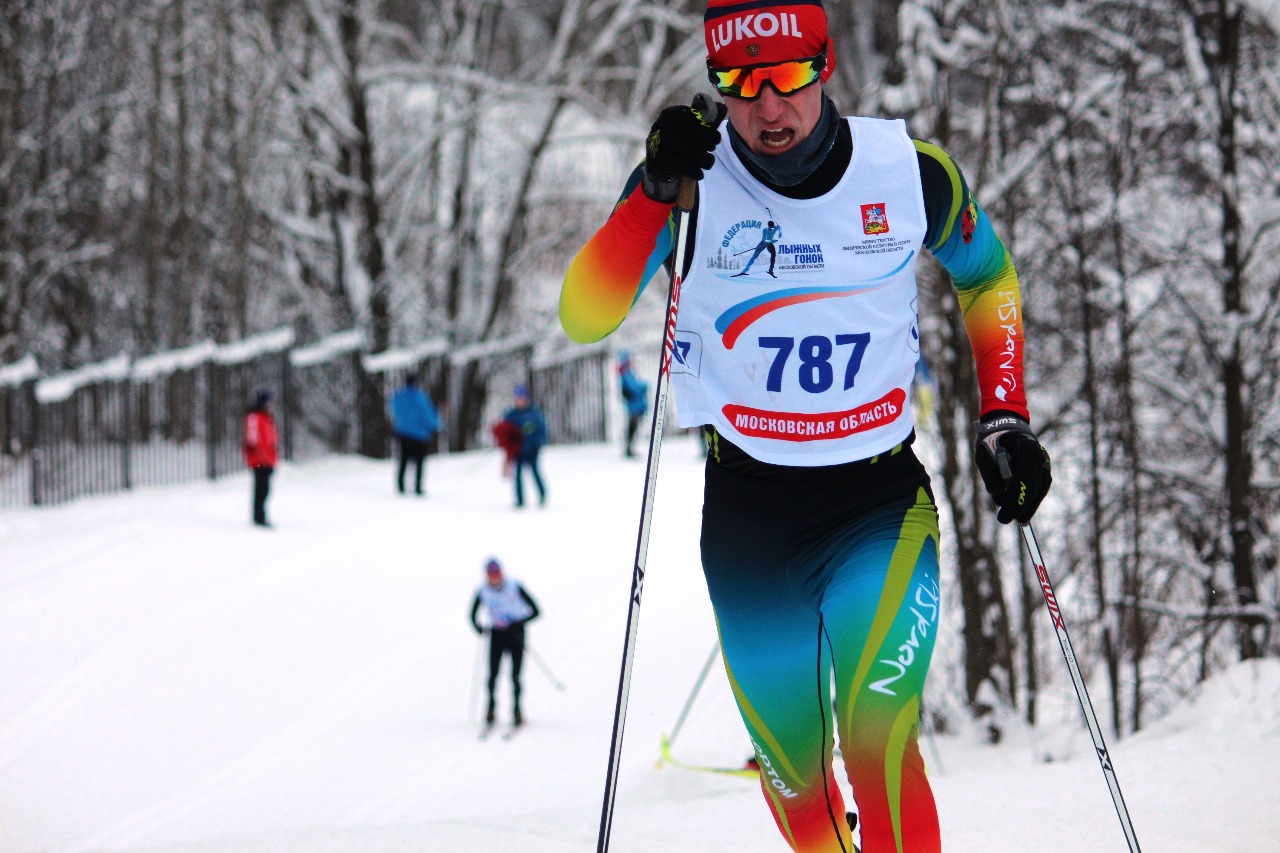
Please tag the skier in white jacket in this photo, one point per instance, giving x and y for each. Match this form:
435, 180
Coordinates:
508, 606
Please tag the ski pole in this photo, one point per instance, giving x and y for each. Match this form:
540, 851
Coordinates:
684, 204
475, 677
555, 682
667, 740
1082, 693
684, 712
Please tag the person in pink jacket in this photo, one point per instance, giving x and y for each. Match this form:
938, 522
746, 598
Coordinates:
260, 452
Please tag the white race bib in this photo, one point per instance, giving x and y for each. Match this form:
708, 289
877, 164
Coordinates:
797, 332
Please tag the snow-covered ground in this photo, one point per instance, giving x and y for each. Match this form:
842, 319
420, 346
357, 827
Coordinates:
173, 679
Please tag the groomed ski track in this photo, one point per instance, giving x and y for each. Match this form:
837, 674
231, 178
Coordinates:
174, 681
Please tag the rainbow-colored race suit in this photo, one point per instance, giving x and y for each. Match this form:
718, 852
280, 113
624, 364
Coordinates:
819, 532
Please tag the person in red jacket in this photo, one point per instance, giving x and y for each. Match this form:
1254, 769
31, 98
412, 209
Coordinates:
260, 452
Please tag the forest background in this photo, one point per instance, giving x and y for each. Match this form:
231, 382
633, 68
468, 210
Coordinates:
174, 171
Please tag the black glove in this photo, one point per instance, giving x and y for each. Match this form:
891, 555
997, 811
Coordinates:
679, 145
1014, 467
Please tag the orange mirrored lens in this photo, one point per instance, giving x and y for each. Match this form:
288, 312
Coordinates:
747, 83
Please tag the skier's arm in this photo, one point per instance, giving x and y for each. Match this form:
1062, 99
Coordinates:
475, 610
960, 236
533, 605
610, 272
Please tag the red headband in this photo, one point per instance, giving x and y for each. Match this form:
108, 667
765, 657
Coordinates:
760, 32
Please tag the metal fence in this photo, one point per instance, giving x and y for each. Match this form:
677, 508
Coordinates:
178, 416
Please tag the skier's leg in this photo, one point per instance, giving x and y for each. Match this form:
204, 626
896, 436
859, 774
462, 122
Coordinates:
773, 257
777, 660
517, 660
495, 661
881, 612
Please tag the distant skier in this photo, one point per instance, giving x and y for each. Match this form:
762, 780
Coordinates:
508, 606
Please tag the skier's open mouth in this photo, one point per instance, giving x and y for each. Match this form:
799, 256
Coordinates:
779, 138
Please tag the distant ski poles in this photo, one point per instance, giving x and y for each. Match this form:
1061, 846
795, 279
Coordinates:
472, 707
555, 682
1082, 693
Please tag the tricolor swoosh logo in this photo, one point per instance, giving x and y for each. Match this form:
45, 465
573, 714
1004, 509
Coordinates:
734, 321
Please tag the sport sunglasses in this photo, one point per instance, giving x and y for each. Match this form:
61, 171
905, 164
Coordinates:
787, 77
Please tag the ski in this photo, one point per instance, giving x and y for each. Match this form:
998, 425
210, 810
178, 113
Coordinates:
486, 730
511, 731
747, 771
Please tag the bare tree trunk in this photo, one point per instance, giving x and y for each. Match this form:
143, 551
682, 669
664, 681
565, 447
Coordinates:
1130, 616
1220, 46
151, 220
1076, 198
178, 232
1030, 598
373, 256
517, 225
373, 435
12, 84
238, 161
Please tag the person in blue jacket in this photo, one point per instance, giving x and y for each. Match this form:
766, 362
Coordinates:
415, 422
529, 419
635, 396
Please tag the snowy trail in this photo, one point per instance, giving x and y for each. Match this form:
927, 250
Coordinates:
173, 680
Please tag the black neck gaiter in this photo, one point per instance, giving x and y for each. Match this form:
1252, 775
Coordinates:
789, 169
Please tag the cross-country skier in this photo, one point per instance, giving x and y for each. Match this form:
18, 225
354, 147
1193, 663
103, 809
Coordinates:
819, 529
509, 607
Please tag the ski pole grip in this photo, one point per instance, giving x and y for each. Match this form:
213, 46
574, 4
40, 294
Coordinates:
687, 187
684, 193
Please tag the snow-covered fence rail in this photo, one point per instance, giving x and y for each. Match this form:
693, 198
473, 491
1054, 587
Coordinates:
177, 416
571, 390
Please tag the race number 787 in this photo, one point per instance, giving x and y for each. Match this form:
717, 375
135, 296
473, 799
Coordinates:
815, 370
